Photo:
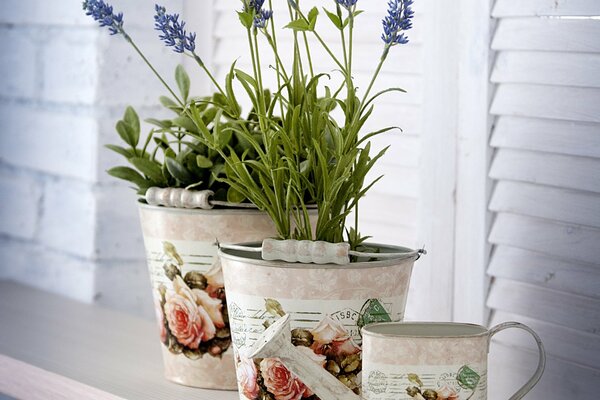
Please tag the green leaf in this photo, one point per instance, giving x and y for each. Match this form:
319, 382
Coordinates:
334, 18
224, 138
183, 82
244, 76
381, 93
122, 151
127, 133
298, 25
149, 168
233, 196
215, 173
168, 103
162, 142
164, 124
246, 19
186, 123
235, 108
209, 115
128, 174
313, 14
178, 171
203, 162
199, 148
132, 119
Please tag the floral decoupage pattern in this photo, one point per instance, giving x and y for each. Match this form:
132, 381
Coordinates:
463, 386
393, 382
191, 308
329, 345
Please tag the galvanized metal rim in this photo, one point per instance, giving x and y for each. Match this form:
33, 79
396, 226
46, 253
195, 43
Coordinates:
406, 255
200, 211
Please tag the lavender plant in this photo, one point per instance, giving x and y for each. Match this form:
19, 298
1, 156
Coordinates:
298, 153
170, 156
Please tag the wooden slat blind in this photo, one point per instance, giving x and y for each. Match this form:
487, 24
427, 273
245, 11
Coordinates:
390, 211
546, 200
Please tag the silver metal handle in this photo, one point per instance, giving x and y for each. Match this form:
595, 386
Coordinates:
541, 361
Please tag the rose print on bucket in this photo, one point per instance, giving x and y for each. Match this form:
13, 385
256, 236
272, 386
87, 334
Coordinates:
247, 375
329, 345
193, 313
280, 382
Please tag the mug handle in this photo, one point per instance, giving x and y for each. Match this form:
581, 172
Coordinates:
541, 361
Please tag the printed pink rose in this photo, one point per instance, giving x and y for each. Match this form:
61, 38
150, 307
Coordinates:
332, 339
446, 393
183, 289
188, 321
212, 306
280, 382
247, 376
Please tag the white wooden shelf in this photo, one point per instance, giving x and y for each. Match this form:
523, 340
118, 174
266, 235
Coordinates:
55, 348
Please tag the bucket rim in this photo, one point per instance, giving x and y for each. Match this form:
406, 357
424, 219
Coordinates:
142, 205
410, 256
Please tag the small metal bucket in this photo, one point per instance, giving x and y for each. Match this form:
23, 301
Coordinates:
328, 305
188, 287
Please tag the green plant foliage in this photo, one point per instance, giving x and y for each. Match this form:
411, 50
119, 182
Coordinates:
302, 144
170, 155
304, 153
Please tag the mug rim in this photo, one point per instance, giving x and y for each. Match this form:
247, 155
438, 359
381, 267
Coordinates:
477, 330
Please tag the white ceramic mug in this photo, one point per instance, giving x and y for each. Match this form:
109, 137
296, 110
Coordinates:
433, 361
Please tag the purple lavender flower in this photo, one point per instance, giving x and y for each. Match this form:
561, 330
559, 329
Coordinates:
398, 20
347, 4
256, 5
173, 31
103, 13
261, 18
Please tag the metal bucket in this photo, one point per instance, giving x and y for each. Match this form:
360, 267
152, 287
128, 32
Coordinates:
188, 288
328, 304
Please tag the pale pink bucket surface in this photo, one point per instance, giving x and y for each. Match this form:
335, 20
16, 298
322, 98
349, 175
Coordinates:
328, 305
190, 303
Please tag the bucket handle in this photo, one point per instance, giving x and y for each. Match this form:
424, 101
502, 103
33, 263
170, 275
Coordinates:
316, 252
541, 360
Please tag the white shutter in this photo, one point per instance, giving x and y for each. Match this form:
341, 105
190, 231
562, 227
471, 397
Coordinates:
545, 262
389, 213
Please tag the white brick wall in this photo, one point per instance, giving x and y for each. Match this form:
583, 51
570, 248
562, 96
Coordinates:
70, 67
68, 220
20, 196
35, 265
39, 12
65, 226
18, 62
49, 138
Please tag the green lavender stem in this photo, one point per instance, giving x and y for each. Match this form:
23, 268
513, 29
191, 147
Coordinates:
166, 85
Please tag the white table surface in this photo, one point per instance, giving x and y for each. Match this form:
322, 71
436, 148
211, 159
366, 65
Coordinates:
55, 348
